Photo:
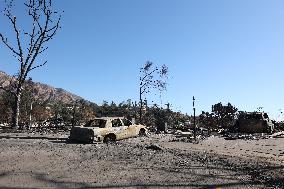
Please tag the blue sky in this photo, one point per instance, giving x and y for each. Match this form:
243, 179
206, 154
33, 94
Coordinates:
217, 50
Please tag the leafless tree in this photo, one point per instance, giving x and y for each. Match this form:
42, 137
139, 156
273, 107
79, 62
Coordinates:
151, 77
29, 43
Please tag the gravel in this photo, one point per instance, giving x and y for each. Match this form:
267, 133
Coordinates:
47, 161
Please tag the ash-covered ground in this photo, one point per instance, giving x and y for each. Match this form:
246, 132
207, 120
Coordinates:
33, 160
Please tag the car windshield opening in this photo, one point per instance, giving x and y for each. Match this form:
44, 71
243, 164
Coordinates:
96, 123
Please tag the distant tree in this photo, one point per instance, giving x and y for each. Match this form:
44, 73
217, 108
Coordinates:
222, 116
40, 113
6, 104
225, 114
150, 119
58, 110
29, 44
9, 101
76, 113
260, 109
87, 113
112, 109
151, 77
82, 111
33, 107
66, 114
208, 120
104, 108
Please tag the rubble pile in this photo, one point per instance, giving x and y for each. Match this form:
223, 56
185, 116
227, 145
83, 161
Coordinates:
244, 136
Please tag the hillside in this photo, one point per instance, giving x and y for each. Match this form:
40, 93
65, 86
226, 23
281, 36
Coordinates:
43, 91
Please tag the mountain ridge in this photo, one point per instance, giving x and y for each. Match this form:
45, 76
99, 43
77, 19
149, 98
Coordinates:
43, 91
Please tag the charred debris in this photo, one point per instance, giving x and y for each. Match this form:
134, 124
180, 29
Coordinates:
224, 121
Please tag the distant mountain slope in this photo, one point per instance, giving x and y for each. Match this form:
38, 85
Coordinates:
43, 91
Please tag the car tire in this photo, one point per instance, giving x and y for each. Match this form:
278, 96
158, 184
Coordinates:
110, 138
142, 132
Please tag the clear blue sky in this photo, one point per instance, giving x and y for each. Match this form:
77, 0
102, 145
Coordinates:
217, 50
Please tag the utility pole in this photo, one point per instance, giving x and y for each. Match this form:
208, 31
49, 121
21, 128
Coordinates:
194, 124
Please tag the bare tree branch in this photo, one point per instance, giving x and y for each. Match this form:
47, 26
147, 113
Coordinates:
18, 39
43, 50
5, 41
151, 78
44, 28
37, 66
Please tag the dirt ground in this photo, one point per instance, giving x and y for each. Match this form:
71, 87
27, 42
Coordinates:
47, 161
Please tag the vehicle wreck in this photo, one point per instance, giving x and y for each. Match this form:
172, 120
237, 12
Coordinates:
254, 122
106, 129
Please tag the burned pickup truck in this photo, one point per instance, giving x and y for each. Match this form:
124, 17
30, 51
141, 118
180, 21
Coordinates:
106, 129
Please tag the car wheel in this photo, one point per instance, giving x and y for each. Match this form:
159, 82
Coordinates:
110, 138
142, 132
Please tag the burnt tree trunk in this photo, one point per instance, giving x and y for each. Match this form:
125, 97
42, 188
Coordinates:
30, 42
16, 108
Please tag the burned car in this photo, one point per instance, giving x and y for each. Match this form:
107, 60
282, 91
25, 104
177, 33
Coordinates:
106, 129
254, 122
